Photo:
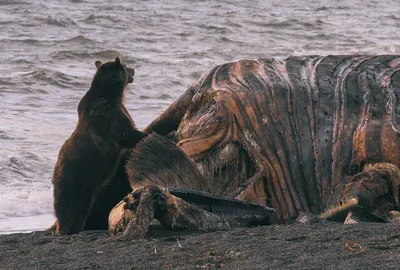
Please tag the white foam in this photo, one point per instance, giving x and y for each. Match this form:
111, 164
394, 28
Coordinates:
24, 201
26, 224
25, 209
25, 187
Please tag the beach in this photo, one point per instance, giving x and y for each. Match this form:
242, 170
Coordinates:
48, 52
47, 60
324, 245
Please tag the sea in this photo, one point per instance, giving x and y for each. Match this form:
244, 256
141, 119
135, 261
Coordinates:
48, 50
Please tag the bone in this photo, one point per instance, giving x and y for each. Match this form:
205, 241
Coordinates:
393, 216
352, 219
339, 208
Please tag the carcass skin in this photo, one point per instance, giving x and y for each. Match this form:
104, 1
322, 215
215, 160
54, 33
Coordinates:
297, 135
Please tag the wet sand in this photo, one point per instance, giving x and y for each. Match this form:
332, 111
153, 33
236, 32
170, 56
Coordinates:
48, 50
322, 245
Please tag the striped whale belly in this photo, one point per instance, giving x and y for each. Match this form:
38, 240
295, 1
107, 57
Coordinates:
295, 127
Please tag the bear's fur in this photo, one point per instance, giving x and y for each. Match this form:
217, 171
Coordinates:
108, 197
95, 152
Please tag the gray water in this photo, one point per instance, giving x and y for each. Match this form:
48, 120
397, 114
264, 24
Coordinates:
48, 50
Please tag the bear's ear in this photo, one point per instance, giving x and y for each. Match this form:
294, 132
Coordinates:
98, 64
117, 61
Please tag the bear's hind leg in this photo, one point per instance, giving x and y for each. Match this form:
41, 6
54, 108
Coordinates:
72, 205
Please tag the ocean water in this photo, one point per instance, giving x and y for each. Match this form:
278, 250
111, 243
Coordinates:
48, 50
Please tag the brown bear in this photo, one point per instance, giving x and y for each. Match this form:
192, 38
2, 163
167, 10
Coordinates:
94, 156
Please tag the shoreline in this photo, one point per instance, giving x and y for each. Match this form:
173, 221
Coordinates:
25, 224
321, 245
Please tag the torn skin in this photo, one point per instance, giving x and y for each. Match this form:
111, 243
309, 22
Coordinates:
369, 195
308, 126
152, 202
132, 217
159, 183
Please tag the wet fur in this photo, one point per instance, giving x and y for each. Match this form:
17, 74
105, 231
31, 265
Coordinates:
90, 157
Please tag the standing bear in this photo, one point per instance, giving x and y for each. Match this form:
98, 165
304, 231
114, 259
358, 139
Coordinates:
91, 161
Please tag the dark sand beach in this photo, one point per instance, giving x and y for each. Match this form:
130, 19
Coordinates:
47, 52
323, 245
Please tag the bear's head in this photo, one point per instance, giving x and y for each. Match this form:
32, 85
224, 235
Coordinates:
111, 77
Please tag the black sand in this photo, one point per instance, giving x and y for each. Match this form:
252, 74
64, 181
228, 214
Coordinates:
369, 246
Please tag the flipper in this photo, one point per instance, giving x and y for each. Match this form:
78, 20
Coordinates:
131, 218
244, 213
